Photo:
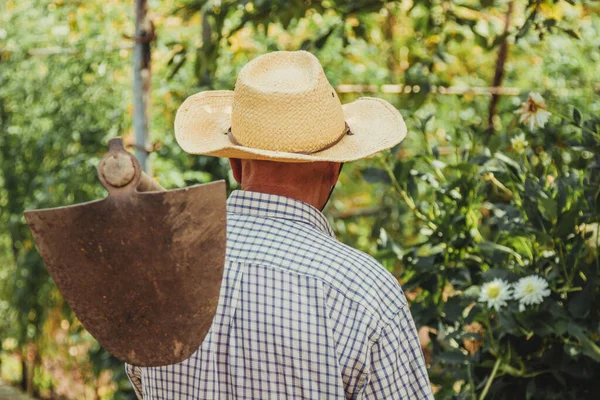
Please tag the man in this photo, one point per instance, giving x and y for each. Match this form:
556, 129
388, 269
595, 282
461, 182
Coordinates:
300, 315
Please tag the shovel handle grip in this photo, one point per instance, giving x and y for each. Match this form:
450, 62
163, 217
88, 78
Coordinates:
120, 172
148, 184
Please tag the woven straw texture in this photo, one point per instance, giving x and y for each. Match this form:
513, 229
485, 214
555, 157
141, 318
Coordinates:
284, 109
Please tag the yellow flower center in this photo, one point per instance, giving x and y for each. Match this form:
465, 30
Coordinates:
529, 288
493, 292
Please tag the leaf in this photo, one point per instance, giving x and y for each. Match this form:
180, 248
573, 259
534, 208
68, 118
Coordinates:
560, 327
479, 159
561, 195
453, 309
480, 40
452, 357
402, 170
305, 44
472, 292
474, 313
548, 208
460, 278
522, 246
590, 348
494, 273
533, 214
567, 222
490, 247
375, 175
509, 162
424, 314
498, 40
572, 33
320, 42
508, 322
424, 122
412, 186
577, 117
426, 263
526, 26
182, 60
581, 302
285, 17
531, 390
360, 31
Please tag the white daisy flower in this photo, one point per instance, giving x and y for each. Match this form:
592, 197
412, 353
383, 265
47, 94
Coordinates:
519, 144
533, 111
531, 290
495, 293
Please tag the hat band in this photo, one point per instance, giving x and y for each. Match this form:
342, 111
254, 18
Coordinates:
347, 131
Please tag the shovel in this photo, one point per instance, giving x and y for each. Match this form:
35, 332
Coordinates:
142, 268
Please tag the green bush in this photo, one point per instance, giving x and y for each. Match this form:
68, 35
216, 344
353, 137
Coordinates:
526, 204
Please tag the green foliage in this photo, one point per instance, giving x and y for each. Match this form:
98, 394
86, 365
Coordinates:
48, 148
495, 212
55, 118
449, 210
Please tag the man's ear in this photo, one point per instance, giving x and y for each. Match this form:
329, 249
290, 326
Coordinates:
236, 168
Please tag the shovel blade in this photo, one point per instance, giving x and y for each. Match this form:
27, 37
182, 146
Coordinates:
141, 271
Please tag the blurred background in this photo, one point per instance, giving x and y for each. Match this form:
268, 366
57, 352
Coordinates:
478, 191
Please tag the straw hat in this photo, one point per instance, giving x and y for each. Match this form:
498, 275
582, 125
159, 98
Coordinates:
284, 109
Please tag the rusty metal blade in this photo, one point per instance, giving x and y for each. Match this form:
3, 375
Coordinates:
141, 271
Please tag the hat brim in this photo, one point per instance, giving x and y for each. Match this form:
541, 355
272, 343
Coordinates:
202, 122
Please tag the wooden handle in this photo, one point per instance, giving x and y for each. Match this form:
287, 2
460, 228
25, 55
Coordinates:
147, 184
119, 171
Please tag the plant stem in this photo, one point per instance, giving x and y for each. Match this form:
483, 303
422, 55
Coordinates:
574, 269
490, 379
406, 197
574, 289
471, 382
564, 265
583, 128
491, 334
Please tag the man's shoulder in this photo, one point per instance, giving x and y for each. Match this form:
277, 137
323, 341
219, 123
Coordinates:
367, 282
301, 249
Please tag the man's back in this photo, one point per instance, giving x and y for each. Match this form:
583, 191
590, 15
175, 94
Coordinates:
300, 316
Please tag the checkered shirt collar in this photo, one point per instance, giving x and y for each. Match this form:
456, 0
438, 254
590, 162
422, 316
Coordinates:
279, 207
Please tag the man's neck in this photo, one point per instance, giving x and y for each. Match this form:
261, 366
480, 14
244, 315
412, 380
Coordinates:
307, 182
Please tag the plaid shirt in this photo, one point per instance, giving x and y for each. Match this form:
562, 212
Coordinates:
300, 316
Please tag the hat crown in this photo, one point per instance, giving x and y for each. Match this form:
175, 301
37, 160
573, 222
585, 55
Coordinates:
284, 102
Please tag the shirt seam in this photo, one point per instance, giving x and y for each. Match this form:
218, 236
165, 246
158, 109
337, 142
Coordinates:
373, 340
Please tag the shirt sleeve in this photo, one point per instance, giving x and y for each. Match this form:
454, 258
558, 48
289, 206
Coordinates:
135, 377
397, 367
